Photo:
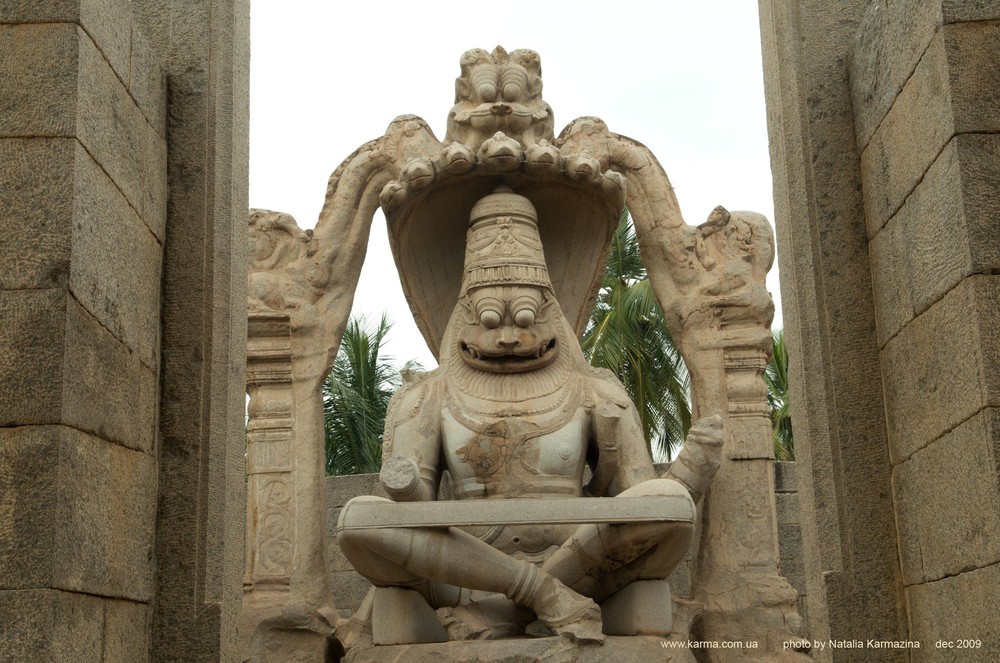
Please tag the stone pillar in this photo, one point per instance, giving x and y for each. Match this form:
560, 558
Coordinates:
883, 129
736, 572
203, 47
121, 417
83, 190
848, 530
287, 610
926, 99
270, 509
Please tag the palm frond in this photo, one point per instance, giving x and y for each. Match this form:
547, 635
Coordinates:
355, 397
628, 335
776, 378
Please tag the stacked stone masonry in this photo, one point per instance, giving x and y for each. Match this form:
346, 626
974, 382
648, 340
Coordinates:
930, 165
918, 93
89, 214
82, 139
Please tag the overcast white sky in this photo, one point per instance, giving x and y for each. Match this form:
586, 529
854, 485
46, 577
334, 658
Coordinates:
684, 78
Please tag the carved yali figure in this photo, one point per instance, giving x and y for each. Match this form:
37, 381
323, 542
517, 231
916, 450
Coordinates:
514, 412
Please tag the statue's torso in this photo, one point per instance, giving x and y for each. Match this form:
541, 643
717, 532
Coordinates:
505, 460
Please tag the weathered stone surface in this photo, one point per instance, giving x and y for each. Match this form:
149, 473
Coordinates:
949, 502
44, 625
115, 268
979, 157
99, 369
890, 42
38, 76
70, 90
101, 19
126, 632
943, 233
937, 371
951, 224
557, 650
960, 607
891, 278
38, 206
892, 39
786, 477
790, 540
33, 341
403, 617
349, 589
641, 608
908, 139
60, 361
973, 49
958, 11
67, 219
147, 82
108, 24
340, 489
116, 133
948, 93
85, 513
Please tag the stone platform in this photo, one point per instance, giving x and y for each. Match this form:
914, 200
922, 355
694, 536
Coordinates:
538, 650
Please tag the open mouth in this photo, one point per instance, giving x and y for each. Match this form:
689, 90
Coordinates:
511, 361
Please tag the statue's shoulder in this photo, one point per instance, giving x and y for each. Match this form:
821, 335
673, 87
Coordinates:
607, 387
420, 389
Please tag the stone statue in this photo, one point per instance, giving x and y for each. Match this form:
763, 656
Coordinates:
515, 412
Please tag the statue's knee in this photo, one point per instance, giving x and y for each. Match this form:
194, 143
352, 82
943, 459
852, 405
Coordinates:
352, 534
672, 537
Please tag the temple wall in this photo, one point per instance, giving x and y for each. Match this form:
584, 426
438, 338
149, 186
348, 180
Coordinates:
349, 588
883, 119
121, 431
927, 106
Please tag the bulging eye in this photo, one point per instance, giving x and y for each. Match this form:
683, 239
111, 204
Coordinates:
524, 318
489, 319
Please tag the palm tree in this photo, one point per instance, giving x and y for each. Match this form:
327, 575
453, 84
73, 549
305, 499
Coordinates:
355, 397
628, 335
776, 377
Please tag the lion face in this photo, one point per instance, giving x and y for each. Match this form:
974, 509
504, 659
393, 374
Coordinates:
508, 330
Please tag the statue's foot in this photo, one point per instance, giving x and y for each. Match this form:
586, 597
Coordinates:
491, 618
561, 611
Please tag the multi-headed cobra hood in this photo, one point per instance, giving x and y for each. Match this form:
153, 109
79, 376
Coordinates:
499, 134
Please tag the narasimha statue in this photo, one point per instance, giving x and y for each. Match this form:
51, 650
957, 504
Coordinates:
514, 412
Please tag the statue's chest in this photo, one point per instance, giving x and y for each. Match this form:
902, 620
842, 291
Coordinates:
506, 458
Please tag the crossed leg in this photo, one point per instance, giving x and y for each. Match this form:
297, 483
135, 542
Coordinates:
594, 563
408, 557
598, 560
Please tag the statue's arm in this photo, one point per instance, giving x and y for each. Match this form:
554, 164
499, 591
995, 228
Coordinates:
411, 444
623, 457
698, 460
